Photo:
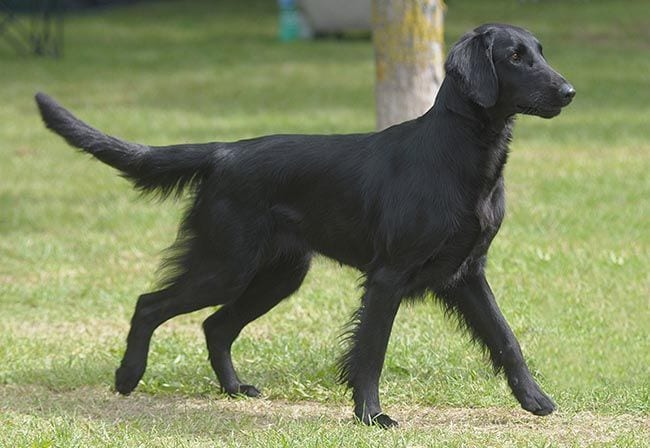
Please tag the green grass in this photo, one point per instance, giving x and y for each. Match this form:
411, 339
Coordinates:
77, 245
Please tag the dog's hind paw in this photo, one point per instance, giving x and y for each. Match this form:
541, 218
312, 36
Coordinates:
126, 379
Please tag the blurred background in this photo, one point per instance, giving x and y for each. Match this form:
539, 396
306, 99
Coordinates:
77, 245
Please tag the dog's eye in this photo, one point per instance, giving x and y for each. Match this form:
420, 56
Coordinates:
515, 57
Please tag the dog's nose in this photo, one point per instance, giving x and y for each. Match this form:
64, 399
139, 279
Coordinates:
567, 91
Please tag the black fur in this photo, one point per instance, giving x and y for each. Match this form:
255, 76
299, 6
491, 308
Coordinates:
414, 208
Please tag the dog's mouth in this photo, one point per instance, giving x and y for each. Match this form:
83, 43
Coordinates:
545, 107
544, 112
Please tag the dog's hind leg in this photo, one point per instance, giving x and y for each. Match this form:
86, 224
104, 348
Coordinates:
152, 309
206, 281
220, 248
271, 284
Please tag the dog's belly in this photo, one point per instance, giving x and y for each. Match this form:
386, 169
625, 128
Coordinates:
347, 246
329, 231
339, 230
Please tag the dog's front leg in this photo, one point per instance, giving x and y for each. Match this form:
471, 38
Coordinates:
372, 323
474, 300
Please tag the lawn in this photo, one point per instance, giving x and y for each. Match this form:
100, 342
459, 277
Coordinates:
77, 244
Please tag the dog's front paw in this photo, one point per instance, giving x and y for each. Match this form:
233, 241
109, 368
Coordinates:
384, 421
245, 390
533, 399
249, 390
538, 403
381, 420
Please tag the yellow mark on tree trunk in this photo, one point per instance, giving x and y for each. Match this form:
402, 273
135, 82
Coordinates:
405, 32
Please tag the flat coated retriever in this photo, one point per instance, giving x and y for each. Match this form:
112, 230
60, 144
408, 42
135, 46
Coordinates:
413, 207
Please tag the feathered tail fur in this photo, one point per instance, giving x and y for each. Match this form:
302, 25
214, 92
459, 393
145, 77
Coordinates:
153, 169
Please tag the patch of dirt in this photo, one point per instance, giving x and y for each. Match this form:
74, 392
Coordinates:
25, 151
201, 415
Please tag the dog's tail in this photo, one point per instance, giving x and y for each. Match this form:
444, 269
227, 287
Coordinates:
153, 169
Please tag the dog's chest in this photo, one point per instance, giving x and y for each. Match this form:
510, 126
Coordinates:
490, 205
473, 241
489, 211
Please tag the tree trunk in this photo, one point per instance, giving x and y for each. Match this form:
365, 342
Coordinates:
408, 38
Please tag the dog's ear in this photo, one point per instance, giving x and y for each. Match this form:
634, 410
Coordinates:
470, 63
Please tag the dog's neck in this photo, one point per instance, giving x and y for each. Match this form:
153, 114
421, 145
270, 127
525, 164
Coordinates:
491, 121
488, 130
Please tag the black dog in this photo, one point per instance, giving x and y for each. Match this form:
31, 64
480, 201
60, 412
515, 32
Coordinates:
413, 207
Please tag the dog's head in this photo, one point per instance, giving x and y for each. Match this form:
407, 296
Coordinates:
503, 66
